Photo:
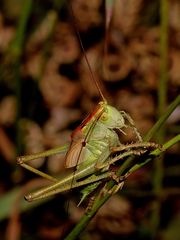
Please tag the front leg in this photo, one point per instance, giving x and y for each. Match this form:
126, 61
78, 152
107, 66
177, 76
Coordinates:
113, 190
109, 162
131, 125
143, 145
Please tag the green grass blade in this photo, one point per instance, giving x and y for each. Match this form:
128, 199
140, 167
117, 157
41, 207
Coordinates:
162, 119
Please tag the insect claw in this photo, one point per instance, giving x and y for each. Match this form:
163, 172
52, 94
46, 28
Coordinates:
116, 188
115, 177
119, 179
28, 198
20, 160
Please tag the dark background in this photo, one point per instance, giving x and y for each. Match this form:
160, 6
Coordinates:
46, 91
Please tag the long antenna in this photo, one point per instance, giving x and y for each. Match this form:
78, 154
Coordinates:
85, 55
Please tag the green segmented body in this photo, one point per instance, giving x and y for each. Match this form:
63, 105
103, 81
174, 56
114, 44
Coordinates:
93, 139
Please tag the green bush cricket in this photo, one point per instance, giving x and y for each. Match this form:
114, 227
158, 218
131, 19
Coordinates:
90, 150
91, 146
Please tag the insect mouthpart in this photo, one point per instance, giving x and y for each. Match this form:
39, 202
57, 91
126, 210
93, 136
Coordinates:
119, 131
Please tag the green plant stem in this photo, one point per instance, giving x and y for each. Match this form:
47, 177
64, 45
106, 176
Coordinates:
16, 50
156, 153
101, 199
158, 171
162, 119
8, 199
162, 90
154, 129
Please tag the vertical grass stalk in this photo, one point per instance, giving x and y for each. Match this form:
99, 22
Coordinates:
162, 103
16, 51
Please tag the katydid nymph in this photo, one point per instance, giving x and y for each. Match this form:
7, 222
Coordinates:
90, 150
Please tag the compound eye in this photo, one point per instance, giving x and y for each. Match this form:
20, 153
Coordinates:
104, 117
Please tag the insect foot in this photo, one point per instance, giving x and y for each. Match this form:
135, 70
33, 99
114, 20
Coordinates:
20, 160
116, 188
28, 198
118, 179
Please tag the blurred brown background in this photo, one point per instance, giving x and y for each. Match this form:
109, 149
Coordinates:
46, 91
